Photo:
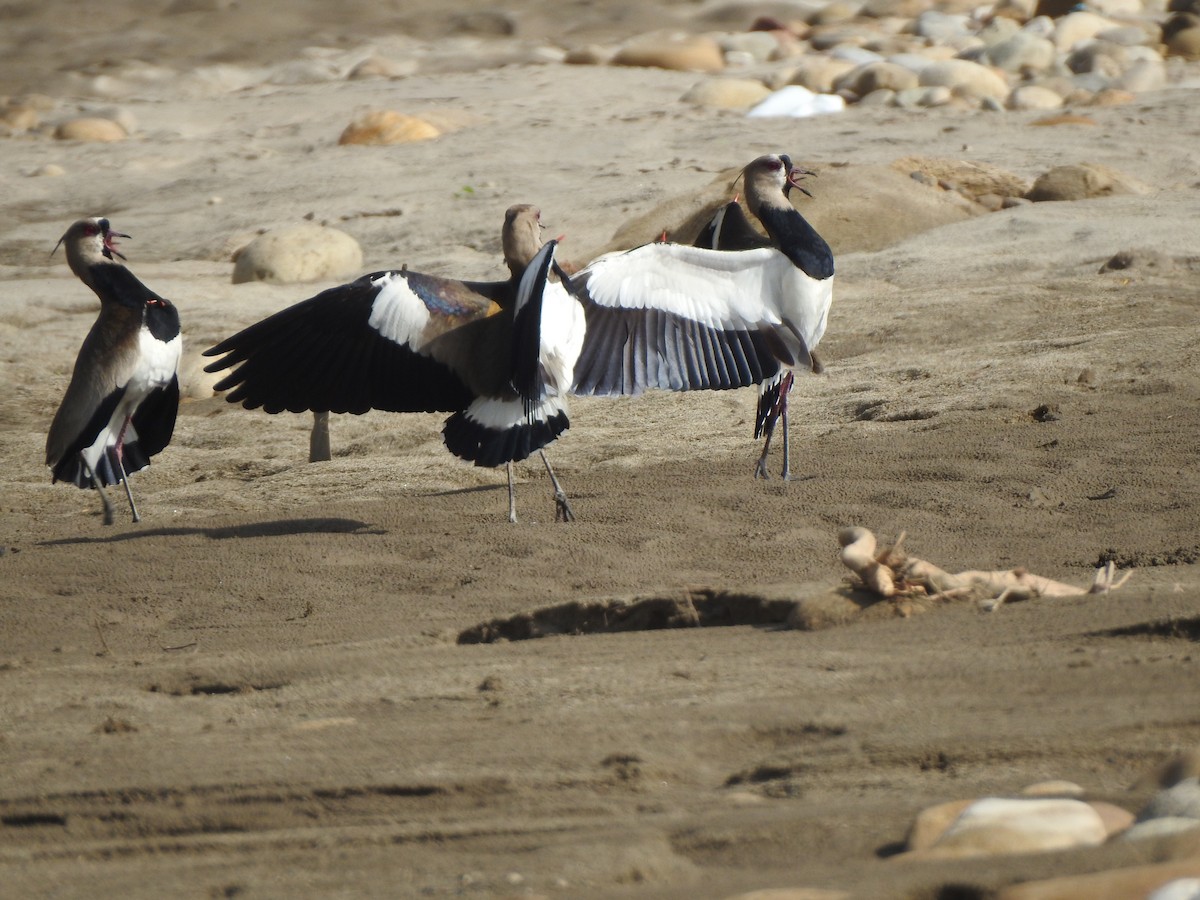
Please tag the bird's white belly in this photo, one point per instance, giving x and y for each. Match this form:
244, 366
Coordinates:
157, 364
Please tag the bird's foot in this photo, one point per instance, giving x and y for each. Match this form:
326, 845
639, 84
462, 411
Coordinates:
760, 471
562, 508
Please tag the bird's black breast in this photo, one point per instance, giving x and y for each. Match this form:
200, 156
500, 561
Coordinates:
798, 241
162, 319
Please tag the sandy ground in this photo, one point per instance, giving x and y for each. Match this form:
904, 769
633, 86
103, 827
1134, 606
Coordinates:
258, 691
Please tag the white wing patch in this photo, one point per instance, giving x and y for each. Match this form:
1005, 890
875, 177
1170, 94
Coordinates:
397, 313
562, 332
719, 289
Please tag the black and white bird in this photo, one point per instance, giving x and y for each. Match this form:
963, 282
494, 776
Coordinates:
501, 357
494, 354
120, 406
679, 317
729, 229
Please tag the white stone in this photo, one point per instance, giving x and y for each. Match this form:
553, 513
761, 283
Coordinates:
298, 253
1179, 889
797, 102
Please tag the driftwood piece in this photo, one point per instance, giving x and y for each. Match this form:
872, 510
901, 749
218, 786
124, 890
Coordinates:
889, 572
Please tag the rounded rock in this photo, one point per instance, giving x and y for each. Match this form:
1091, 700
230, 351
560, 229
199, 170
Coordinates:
965, 78
1185, 43
818, 73
20, 118
685, 53
932, 822
727, 93
1018, 10
382, 67
1111, 97
1031, 96
941, 27
1022, 52
1073, 29
1098, 58
387, 127
89, 128
1082, 182
1056, 788
834, 13
1182, 799
760, 46
1164, 826
1143, 75
298, 253
876, 76
995, 826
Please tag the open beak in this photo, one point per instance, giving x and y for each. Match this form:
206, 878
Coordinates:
110, 248
794, 174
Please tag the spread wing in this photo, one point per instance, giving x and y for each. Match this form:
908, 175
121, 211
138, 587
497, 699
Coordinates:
359, 346
679, 318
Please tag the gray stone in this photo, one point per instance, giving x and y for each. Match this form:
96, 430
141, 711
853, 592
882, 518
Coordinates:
1161, 827
998, 31
1022, 52
761, 46
1180, 800
941, 27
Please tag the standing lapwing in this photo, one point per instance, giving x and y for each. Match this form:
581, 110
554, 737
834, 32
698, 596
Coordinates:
490, 353
729, 229
680, 317
120, 407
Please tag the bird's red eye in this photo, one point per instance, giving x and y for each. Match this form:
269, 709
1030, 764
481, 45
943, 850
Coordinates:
774, 164
90, 230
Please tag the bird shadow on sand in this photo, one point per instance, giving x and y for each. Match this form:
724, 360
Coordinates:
277, 528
